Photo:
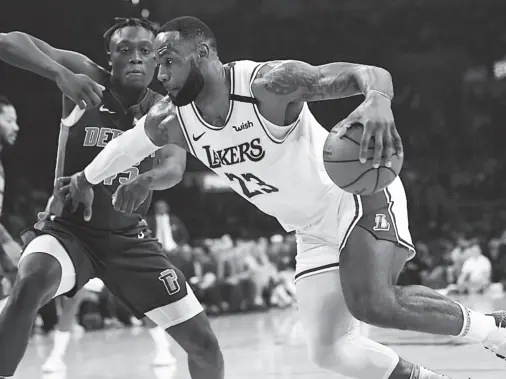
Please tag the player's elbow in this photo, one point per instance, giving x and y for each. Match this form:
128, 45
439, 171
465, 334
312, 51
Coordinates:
157, 134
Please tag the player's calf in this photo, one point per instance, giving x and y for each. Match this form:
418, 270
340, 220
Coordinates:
37, 282
373, 297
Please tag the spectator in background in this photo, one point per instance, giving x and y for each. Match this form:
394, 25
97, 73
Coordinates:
168, 229
205, 282
10, 250
460, 253
476, 272
497, 248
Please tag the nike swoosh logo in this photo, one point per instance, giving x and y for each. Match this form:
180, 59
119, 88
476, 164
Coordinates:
198, 137
104, 109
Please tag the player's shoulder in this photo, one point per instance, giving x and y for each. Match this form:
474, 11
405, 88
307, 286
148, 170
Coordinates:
263, 76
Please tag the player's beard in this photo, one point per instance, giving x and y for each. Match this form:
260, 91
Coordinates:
191, 87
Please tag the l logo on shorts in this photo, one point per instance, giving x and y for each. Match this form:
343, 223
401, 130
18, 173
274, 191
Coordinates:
381, 223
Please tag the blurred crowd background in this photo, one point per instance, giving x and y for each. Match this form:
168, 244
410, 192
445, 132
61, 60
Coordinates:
448, 62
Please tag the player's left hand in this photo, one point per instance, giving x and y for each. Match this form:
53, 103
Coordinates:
375, 114
130, 195
77, 190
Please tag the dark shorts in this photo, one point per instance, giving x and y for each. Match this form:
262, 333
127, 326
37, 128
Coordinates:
131, 263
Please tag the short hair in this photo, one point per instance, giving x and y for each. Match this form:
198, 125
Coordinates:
4, 102
191, 28
124, 23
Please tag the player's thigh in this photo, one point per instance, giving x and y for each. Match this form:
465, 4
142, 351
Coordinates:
142, 276
46, 258
323, 312
377, 247
61, 242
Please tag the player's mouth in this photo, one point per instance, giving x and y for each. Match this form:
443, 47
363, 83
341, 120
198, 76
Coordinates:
12, 137
135, 73
172, 91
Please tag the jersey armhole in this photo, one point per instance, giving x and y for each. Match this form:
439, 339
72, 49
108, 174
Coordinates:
73, 117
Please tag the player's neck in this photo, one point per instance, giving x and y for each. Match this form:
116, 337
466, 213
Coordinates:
128, 96
216, 89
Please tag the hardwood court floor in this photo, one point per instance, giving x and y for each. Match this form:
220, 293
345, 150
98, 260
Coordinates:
256, 346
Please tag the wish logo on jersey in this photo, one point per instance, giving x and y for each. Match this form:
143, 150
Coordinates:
243, 126
232, 155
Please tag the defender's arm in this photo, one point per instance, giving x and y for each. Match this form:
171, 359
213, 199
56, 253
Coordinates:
27, 52
297, 81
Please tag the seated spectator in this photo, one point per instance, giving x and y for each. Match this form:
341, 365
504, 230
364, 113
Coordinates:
167, 228
476, 271
459, 254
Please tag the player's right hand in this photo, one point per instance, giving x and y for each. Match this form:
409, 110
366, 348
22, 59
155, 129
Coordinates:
77, 190
159, 120
80, 88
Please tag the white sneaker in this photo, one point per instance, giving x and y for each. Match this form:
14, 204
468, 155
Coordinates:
164, 358
54, 364
496, 341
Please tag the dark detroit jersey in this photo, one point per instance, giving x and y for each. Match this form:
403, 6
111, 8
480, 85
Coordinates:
81, 143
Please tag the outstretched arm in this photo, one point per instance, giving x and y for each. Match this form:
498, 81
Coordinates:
291, 82
159, 128
155, 130
166, 174
296, 81
27, 52
169, 170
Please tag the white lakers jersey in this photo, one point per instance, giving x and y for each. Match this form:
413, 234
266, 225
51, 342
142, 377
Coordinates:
277, 168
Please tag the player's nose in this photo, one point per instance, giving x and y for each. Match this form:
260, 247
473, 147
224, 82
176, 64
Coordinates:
163, 75
136, 58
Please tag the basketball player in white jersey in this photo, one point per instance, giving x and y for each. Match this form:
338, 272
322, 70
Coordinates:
249, 122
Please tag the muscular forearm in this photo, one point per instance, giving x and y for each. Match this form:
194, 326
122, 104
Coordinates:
300, 81
18, 49
120, 154
374, 79
164, 176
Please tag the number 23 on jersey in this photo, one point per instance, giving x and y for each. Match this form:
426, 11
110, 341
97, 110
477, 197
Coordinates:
251, 185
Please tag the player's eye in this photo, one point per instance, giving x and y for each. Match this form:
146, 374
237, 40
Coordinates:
146, 51
124, 50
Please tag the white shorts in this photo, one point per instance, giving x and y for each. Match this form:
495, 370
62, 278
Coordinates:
383, 214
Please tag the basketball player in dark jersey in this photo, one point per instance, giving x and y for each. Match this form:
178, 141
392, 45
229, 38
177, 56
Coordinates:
116, 247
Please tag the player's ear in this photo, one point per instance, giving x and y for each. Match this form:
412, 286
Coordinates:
202, 51
109, 58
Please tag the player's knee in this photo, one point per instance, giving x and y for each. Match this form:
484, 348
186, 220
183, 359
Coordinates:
199, 342
356, 357
38, 278
206, 347
323, 356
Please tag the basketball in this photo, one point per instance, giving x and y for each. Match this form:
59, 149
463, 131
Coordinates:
341, 159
